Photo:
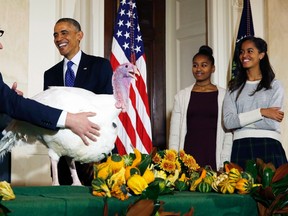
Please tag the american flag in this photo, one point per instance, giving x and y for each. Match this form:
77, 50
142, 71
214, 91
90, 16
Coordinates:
246, 28
127, 46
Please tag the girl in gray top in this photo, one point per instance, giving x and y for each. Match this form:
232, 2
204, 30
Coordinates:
253, 106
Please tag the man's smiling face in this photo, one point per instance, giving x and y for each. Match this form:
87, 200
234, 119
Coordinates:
67, 39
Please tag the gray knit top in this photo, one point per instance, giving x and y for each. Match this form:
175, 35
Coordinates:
244, 117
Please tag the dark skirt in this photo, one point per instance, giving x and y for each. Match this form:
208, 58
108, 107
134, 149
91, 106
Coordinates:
267, 149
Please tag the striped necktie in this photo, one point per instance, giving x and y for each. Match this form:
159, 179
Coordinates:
69, 75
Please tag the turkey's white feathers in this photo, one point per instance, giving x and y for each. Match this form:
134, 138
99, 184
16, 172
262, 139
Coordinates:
64, 142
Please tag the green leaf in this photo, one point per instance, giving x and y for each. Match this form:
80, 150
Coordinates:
255, 194
3, 209
151, 192
251, 167
282, 182
157, 206
161, 153
144, 163
283, 202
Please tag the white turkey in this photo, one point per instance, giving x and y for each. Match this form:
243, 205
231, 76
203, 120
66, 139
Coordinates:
64, 142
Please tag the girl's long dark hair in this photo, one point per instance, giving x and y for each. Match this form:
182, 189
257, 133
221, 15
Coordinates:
266, 70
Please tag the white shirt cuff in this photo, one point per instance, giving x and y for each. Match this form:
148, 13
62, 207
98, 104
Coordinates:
250, 117
62, 119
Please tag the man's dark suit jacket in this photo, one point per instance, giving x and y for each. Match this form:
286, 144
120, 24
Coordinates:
94, 74
26, 109
15, 106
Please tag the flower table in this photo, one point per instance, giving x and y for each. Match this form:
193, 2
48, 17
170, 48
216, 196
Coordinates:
77, 201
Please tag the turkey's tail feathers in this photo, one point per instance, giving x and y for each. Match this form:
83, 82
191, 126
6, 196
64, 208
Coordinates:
8, 142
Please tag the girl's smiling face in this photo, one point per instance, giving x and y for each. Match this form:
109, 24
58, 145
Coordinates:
202, 68
250, 56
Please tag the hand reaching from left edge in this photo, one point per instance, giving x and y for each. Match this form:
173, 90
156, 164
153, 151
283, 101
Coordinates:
14, 87
80, 125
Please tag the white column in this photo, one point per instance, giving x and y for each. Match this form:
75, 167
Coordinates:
219, 38
223, 24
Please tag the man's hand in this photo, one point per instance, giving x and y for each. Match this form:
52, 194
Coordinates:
14, 87
80, 125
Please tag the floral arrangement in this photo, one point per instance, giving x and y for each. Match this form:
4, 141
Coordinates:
168, 171
6, 193
121, 176
183, 173
174, 169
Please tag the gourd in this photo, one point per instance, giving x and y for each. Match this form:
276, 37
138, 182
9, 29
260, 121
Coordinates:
130, 171
137, 184
103, 170
133, 169
138, 157
148, 176
128, 160
243, 186
100, 187
227, 186
181, 184
208, 179
116, 162
195, 183
229, 165
234, 175
248, 176
204, 187
219, 179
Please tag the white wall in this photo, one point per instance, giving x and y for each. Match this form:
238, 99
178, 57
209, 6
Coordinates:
277, 35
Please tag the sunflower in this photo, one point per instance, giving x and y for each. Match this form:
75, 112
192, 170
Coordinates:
157, 159
170, 155
190, 162
182, 155
168, 166
178, 165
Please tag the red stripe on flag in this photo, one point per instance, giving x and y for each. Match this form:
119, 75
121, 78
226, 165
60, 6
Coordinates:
147, 143
120, 147
114, 62
127, 124
142, 91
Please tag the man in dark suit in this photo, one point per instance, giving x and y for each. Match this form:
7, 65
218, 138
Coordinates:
90, 72
16, 106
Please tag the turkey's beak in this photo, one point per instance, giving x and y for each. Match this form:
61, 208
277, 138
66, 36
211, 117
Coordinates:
134, 72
